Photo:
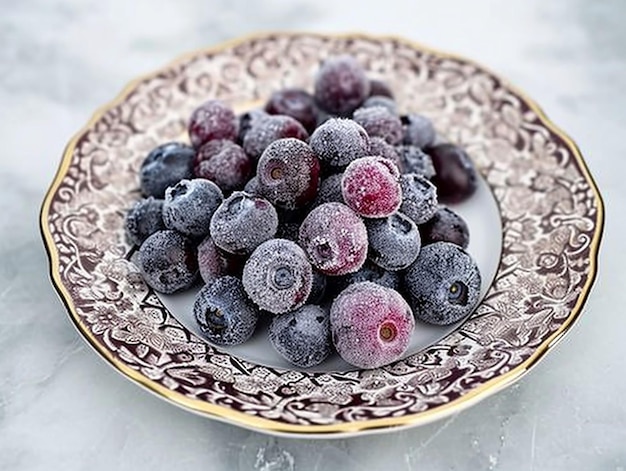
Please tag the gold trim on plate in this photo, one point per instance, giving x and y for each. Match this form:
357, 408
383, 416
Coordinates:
266, 425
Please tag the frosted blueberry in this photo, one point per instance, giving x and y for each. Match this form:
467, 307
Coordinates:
338, 142
419, 198
144, 219
165, 166
189, 205
394, 241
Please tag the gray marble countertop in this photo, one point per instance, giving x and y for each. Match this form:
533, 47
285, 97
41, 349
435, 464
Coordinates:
62, 407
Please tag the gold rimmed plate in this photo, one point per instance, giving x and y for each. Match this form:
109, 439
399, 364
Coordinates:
538, 247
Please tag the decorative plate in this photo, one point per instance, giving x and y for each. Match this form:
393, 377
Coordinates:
550, 223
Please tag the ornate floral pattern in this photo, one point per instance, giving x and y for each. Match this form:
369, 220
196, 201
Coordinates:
551, 221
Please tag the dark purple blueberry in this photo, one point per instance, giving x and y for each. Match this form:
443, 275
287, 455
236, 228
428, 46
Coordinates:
302, 337
144, 219
247, 121
380, 147
224, 313
394, 241
456, 178
165, 166
370, 272
418, 131
224, 163
445, 226
415, 160
383, 101
167, 260
318, 288
277, 276
329, 191
339, 141
274, 127
212, 120
371, 325
242, 222
294, 102
419, 198
334, 238
380, 88
443, 284
288, 173
379, 121
371, 187
212, 263
189, 205
341, 85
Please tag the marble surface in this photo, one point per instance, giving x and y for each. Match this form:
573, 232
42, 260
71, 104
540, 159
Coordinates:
62, 407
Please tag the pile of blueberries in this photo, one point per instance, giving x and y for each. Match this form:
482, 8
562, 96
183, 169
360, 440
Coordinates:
324, 211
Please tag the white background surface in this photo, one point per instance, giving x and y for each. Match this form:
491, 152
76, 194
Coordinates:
61, 407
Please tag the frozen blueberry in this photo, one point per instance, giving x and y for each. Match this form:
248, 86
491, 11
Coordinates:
165, 166
144, 219
334, 238
223, 312
415, 160
273, 127
394, 241
445, 226
379, 121
371, 325
371, 187
242, 222
212, 263
252, 187
443, 284
380, 88
294, 102
341, 85
418, 131
338, 142
383, 101
189, 205
419, 198
247, 121
277, 276
167, 261
224, 163
456, 178
329, 191
302, 337
380, 147
212, 120
288, 173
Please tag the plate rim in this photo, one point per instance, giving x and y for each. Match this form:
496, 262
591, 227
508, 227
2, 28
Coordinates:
270, 426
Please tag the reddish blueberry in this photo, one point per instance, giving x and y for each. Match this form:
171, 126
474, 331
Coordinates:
371, 187
381, 148
294, 102
380, 88
334, 238
212, 263
212, 120
371, 325
380, 122
265, 131
341, 85
224, 163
